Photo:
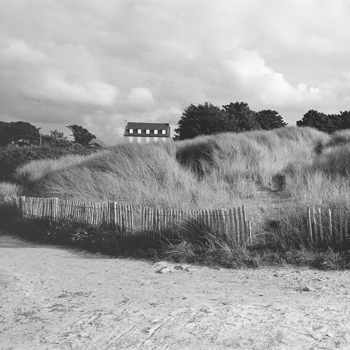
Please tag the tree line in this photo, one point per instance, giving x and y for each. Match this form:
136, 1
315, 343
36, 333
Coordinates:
202, 119
328, 123
207, 119
23, 133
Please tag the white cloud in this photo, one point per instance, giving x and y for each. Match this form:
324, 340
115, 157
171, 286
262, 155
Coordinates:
101, 62
56, 87
249, 72
21, 52
141, 97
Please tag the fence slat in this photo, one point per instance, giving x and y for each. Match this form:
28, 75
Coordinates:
231, 225
314, 225
250, 232
245, 228
346, 222
309, 223
240, 225
340, 238
235, 219
330, 225
320, 228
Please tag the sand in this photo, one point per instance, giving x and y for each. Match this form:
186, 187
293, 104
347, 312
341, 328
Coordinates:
60, 298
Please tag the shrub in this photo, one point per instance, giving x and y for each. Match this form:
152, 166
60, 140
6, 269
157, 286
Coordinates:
13, 157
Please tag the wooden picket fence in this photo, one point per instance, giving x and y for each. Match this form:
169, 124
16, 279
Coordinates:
328, 226
230, 225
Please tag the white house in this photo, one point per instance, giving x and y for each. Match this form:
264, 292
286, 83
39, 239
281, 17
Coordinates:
147, 132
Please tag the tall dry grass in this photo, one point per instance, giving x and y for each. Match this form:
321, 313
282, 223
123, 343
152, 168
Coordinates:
9, 189
275, 174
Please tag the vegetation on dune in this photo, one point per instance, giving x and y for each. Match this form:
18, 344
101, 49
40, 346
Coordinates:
18, 133
224, 170
276, 174
329, 123
13, 157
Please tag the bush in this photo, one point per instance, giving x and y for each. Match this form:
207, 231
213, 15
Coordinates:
13, 157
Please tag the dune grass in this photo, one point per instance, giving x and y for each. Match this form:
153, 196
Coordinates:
9, 189
276, 174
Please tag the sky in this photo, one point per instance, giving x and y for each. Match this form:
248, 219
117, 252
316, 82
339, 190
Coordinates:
98, 63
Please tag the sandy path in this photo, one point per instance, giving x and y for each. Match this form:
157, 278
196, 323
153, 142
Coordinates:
59, 298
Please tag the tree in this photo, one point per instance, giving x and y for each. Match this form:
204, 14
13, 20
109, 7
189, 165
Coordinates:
240, 117
204, 119
80, 134
320, 121
55, 139
19, 133
3, 137
269, 120
343, 120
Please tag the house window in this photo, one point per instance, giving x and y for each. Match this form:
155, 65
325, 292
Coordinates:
155, 132
147, 131
131, 131
139, 131
163, 132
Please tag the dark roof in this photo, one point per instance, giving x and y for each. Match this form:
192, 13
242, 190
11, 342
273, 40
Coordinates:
147, 126
150, 126
96, 142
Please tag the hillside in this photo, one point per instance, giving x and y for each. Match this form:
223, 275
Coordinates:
270, 172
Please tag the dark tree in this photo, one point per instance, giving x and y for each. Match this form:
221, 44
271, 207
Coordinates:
343, 120
269, 120
3, 137
19, 133
80, 134
240, 117
203, 119
320, 121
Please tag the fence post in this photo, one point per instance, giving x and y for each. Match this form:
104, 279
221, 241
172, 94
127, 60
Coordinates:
245, 228
320, 228
223, 222
52, 209
330, 224
309, 223
131, 218
22, 200
236, 227
250, 232
239, 225
314, 224
346, 227
340, 226
231, 226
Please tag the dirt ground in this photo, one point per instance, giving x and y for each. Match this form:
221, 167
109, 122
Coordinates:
59, 298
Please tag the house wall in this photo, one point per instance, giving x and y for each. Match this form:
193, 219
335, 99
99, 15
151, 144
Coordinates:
147, 139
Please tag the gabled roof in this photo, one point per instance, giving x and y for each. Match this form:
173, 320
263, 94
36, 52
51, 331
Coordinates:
96, 142
150, 126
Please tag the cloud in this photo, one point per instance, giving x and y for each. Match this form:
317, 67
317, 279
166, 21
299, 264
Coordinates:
141, 97
19, 51
248, 72
99, 63
56, 87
